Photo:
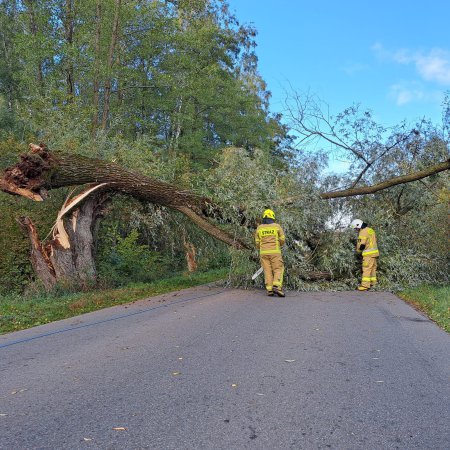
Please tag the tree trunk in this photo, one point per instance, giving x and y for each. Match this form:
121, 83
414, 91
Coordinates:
76, 263
34, 31
108, 82
96, 99
365, 190
6, 55
69, 260
175, 129
40, 260
68, 28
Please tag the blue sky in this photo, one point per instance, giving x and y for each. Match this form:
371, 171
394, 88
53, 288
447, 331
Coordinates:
390, 56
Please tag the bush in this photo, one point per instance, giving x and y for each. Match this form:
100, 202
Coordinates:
123, 260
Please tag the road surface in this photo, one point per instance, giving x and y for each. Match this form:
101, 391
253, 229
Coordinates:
212, 368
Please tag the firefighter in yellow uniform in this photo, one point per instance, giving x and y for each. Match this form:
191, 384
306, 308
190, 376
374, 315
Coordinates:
269, 238
367, 246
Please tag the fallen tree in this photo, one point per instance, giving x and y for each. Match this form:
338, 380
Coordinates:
42, 170
68, 255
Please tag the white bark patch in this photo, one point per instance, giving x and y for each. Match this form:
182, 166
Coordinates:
74, 220
59, 232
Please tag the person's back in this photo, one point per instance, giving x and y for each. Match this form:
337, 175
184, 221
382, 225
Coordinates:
269, 238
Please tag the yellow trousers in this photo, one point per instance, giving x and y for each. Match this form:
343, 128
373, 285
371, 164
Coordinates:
273, 270
369, 271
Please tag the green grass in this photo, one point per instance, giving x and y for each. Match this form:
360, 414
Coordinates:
18, 312
432, 300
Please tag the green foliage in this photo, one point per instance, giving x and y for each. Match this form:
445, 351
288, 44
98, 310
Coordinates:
123, 260
411, 224
143, 243
404, 219
337, 255
184, 74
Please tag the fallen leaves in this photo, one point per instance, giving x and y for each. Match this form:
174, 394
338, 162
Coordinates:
18, 391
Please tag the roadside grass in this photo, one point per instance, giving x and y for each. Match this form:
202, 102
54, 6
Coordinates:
433, 300
21, 312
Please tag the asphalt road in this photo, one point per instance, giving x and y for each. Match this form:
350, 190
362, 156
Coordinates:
230, 369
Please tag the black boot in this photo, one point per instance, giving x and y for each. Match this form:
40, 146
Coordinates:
279, 291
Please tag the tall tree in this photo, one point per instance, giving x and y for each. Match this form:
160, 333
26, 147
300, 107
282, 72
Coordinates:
110, 61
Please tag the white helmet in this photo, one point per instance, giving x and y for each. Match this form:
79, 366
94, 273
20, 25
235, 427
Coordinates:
356, 224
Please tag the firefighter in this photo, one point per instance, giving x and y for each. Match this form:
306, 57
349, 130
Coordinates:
367, 246
269, 238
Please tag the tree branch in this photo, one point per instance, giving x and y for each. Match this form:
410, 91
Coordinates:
386, 150
445, 165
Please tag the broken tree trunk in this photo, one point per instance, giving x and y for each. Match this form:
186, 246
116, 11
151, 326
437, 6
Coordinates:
68, 257
40, 260
41, 170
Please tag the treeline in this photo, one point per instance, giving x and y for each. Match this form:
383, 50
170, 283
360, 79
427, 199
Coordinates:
172, 89
181, 72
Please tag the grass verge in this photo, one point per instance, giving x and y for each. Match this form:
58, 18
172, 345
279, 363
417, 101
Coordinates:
433, 300
18, 312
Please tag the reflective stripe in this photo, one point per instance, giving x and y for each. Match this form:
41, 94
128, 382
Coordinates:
270, 252
370, 251
367, 237
279, 284
366, 279
373, 278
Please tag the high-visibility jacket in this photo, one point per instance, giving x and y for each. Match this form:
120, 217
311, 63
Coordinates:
269, 239
368, 238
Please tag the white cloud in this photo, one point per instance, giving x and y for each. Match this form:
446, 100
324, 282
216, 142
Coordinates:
433, 65
407, 92
404, 94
